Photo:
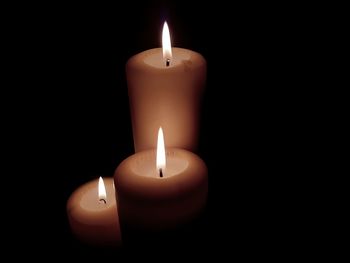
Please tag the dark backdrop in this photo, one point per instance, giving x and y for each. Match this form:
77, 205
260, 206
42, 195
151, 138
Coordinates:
77, 124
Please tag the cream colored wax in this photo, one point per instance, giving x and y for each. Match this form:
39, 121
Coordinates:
92, 220
148, 201
166, 96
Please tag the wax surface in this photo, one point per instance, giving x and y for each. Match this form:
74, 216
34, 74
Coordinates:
181, 57
88, 198
146, 165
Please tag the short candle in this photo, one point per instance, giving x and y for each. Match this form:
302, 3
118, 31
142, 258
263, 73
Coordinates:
153, 195
92, 213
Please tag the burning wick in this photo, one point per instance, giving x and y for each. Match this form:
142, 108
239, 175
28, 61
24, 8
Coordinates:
166, 44
160, 158
103, 200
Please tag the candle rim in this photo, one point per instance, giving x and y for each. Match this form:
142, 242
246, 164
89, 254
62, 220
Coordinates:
75, 199
194, 58
154, 188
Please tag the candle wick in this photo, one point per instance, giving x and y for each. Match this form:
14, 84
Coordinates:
167, 62
160, 172
103, 200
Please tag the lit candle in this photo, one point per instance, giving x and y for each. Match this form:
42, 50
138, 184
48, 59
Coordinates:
165, 86
161, 189
92, 213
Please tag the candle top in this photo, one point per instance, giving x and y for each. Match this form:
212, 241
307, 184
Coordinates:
184, 171
154, 57
145, 165
90, 200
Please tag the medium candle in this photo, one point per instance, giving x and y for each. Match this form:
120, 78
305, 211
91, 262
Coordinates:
165, 86
92, 213
161, 195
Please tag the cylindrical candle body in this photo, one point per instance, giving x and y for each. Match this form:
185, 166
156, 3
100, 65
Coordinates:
167, 97
91, 220
148, 201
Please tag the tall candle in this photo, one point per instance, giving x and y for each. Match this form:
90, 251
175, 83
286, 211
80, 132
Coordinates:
92, 213
161, 194
165, 87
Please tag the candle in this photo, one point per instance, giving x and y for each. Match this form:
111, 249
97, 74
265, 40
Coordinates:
92, 213
161, 189
165, 86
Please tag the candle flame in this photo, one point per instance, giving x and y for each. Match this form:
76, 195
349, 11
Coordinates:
161, 162
101, 189
166, 43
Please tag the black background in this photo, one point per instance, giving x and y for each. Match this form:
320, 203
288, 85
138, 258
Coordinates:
75, 123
